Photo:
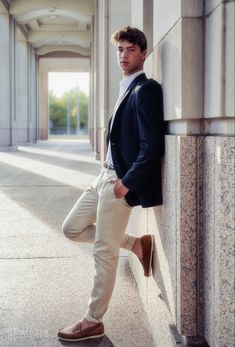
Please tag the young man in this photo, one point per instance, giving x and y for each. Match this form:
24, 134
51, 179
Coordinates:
131, 176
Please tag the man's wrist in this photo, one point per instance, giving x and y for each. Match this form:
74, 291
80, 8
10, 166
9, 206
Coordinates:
124, 186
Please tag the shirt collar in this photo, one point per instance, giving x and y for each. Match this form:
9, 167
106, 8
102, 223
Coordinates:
126, 81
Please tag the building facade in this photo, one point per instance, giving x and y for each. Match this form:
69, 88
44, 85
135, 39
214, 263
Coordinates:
191, 53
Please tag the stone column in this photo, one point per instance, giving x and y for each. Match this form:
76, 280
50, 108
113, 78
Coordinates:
43, 104
5, 86
110, 16
96, 78
91, 113
17, 90
33, 96
22, 89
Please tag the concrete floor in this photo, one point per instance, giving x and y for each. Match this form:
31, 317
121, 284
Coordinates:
45, 278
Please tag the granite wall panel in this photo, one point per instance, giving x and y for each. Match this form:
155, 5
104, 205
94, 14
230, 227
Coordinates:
177, 228
188, 238
165, 230
209, 225
219, 241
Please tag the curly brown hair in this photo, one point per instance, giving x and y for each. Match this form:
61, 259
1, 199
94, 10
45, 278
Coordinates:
132, 35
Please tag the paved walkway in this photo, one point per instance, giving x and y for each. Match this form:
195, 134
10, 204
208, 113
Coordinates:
45, 278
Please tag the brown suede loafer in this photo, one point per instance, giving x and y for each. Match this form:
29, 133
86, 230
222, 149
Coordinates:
76, 333
147, 242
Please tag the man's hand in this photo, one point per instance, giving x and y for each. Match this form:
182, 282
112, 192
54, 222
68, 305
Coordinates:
119, 189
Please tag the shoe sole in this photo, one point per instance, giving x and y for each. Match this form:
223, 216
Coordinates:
151, 257
81, 338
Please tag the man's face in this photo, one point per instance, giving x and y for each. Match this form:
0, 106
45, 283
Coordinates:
130, 58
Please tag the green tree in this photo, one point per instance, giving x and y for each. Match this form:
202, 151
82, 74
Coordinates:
60, 107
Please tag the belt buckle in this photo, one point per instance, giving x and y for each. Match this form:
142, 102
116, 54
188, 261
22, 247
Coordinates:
108, 166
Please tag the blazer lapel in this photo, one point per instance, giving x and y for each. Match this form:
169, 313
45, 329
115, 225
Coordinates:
129, 89
131, 86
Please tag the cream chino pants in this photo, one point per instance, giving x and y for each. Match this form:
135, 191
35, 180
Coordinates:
99, 205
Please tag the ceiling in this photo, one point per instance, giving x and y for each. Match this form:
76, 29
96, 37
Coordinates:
55, 25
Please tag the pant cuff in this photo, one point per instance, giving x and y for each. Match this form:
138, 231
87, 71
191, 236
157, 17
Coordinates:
129, 242
89, 317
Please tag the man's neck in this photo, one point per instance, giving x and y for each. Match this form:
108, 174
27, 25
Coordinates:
129, 75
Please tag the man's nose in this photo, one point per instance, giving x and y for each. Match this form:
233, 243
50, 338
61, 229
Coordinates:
124, 53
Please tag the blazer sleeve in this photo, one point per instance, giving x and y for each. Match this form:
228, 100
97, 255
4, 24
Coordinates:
149, 110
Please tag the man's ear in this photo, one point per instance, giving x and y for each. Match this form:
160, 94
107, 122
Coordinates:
144, 54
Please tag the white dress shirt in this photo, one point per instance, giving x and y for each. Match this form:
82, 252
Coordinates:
123, 86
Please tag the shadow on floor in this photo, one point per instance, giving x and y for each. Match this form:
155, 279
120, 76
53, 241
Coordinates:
47, 199
100, 342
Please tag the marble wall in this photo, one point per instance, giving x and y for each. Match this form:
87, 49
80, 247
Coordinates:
194, 234
219, 240
178, 234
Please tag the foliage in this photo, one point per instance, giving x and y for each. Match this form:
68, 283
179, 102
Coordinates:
63, 111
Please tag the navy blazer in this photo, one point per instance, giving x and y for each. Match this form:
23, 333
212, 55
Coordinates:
137, 142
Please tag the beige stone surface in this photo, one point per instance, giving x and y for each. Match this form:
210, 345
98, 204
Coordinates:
4, 76
192, 8
119, 17
220, 126
120, 7
167, 14
137, 13
178, 66
229, 59
192, 68
213, 106
167, 70
149, 66
211, 5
